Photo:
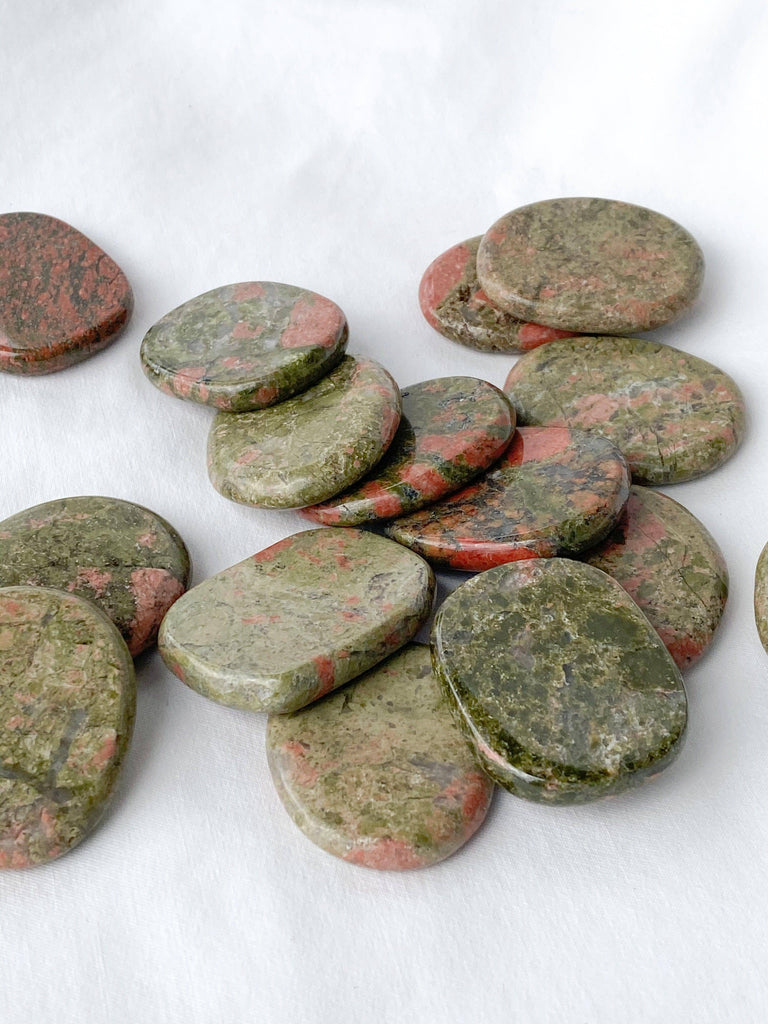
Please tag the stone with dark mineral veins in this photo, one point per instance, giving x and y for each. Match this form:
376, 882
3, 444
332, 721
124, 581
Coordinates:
558, 680
61, 297
297, 620
761, 597
379, 773
674, 416
67, 704
595, 266
245, 346
554, 491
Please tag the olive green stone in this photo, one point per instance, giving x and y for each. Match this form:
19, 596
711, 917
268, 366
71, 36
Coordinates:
761, 597
67, 704
379, 773
559, 680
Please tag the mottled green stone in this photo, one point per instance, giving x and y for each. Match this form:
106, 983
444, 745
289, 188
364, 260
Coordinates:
125, 558
559, 680
67, 704
297, 620
674, 416
378, 773
308, 448
761, 597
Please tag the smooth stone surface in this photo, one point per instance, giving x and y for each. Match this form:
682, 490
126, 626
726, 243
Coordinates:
554, 491
453, 302
559, 680
380, 774
308, 448
674, 416
245, 346
61, 297
590, 265
67, 705
761, 597
671, 565
452, 428
297, 620
127, 560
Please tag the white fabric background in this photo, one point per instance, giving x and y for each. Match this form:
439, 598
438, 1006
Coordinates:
341, 146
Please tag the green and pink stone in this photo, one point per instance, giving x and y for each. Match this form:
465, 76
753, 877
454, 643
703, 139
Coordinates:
761, 597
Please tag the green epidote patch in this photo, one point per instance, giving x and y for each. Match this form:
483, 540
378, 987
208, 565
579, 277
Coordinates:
67, 704
297, 620
668, 562
558, 680
674, 416
379, 774
761, 597
245, 346
126, 559
308, 448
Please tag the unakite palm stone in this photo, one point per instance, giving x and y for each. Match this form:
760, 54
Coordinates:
671, 565
297, 620
379, 773
761, 597
558, 680
596, 266
554, 491
245, 346
67, 704
123, 557
674, 416
452, 428
310, 447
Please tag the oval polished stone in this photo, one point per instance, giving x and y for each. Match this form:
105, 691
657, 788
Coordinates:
310, 447
452, 428
554, 491
761, 597
670, 564
453, 302
61, 297
379, 774
595, 266
297, 620
127, 560
67, 704
559, 681
245, 346
674, 416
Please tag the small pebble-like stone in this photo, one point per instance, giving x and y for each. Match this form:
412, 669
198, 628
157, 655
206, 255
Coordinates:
761, 597
555, 491
559, 681
453, 302
127, 560
245, 346
297, 620
674, 416
595, 266
451, 429
67, 704
61, 297
669, 563
310, 447
379, 773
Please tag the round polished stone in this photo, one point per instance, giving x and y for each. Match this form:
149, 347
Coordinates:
761, 597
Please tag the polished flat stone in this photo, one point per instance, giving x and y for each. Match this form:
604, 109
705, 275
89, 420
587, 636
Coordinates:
310, 447
61, 297
555, 491
245, 346
595, 266
297, 620
127, 560
453, 302
559, 681
379, 773
67, 705
761, 597
671, 565
674, 416
452, 428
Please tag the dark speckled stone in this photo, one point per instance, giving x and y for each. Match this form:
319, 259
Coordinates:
61, 297
559, 680
379, 774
